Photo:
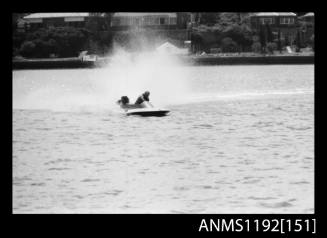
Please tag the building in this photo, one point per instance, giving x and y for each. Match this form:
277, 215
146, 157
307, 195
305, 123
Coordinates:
124, 27
307, 25
154, 20
132, 28
284, 22
38, 20
21, 25
309, 18
150, 20
119, 20
169, 48
275, 19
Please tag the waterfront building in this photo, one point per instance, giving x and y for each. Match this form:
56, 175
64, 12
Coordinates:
169, 48
149, 20
152, 27
309, 18
119, 20
45, 20
307, 25
21, 25
284, 22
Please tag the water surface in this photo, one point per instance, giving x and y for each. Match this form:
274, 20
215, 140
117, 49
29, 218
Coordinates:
238, 140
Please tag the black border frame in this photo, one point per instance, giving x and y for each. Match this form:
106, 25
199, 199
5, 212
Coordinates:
152, 224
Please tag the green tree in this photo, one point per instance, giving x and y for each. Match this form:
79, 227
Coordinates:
228, 45
18, 39
209, 18
69, 40
271, 47
229, 18
298, 41
287, 41
262, 37
221, 25
27, 49
15, 18
256, 47
93, 24
270, 36
100, 38
99, 21
63, 41
241, 34
108, 18
196, 42
279, 43
312, 41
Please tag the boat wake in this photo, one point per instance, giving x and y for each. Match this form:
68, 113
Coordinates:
231, 96
169, 81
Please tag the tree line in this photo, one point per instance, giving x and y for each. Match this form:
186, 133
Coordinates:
232, 32
225, 32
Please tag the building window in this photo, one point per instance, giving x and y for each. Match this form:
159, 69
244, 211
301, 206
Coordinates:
267, 20
286, 20
124, 21
173, 20
35, 26
130, 21
156, 21
146, 20
162, 21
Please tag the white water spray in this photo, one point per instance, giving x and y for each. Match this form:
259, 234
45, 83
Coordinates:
127, 74
165, 76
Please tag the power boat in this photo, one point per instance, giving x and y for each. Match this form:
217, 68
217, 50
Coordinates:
143, 109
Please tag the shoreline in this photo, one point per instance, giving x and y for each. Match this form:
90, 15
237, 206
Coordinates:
75, 62
253, 60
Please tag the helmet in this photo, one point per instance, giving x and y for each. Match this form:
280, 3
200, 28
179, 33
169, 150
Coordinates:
124, 100
147, 93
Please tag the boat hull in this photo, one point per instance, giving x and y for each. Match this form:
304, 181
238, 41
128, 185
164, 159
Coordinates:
146, 112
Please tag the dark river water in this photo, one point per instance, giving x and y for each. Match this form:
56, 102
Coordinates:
238, 139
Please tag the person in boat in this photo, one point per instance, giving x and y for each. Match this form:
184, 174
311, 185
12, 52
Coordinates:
143, 98
124, 103
124, 100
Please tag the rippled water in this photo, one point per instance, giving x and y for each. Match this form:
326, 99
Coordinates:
240, 140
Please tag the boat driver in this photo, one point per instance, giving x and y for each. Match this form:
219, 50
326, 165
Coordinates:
143, 97
124, 100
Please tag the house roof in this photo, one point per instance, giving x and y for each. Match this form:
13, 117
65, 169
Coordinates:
21, 22
169, 48
276, 14
143, 14
167, 45
309, 14
55, 15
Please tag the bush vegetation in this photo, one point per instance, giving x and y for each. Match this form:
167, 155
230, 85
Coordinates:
60, 41
228, 45
256, 47
271, 47
230, 32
